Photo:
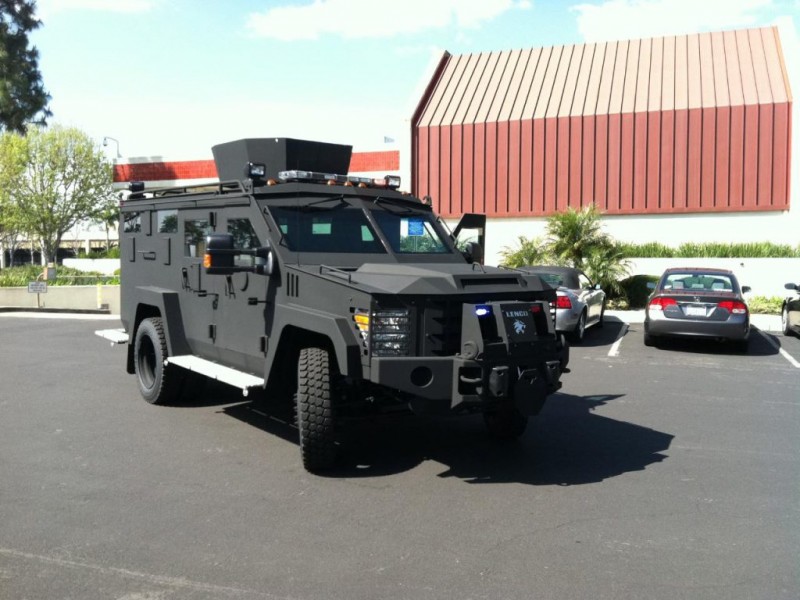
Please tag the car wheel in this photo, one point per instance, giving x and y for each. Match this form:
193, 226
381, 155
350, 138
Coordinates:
158, 383
649, 340
787, 330
314, 399
576, 335
600, 323
505, 423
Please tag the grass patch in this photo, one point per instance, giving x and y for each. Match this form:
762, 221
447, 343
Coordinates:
711, 250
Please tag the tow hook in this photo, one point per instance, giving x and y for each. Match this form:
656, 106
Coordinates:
498, 382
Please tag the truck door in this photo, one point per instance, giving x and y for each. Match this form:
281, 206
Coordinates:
245, 306
198, 300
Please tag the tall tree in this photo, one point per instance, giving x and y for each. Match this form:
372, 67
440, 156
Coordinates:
65, 178
23, 98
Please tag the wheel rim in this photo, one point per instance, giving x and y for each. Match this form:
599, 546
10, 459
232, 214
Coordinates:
581, 326
785, 319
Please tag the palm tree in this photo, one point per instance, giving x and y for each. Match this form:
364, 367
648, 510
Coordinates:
527, 252
573, 235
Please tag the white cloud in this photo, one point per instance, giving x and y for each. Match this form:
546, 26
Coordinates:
46, 8
628, 19
373, 18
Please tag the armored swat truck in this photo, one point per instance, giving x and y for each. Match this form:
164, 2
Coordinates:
338, 292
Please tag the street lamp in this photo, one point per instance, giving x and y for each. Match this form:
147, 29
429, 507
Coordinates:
116, 141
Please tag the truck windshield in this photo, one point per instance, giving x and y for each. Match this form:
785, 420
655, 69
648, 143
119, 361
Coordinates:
409, 232
327, 228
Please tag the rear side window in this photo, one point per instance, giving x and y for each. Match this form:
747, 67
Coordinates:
167, 221
194, 236
132, 222
244, 236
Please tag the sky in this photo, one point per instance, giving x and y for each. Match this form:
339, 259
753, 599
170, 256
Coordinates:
171, 78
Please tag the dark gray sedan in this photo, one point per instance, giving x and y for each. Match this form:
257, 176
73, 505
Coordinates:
701, 303
790, 311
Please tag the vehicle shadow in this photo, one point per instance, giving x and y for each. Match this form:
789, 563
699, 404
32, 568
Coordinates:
601, 336
758, 346
567, 444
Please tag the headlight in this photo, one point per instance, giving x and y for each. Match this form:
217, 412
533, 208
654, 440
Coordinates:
390, 332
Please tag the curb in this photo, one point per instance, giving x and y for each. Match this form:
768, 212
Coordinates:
72, 311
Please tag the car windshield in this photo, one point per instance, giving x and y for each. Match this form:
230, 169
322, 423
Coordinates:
409, 232
327, 227
553, 279
699, 281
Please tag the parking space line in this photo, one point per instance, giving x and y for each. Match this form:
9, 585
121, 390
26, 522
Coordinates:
782, 352
614, 350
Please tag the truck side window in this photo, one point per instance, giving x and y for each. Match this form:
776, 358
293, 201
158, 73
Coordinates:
132, 223
167, 221
244, 236
194, 236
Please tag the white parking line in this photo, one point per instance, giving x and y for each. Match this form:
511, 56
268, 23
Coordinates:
782, 352
614, 350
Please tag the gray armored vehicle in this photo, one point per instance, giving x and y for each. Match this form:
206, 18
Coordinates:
340, 293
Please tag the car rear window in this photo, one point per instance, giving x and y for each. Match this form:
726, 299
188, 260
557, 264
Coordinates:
707, 282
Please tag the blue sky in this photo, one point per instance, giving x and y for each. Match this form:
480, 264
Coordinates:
173, 77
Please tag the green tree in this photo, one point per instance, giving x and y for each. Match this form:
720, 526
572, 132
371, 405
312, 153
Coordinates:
573, 235
527, 252
65, 178
23, 98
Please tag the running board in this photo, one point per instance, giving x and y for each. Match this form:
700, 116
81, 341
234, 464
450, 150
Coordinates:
115, 336
243, 381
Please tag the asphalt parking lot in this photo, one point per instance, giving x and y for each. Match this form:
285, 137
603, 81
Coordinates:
667, 472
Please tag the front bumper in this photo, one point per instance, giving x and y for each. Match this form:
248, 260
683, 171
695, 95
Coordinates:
470, 385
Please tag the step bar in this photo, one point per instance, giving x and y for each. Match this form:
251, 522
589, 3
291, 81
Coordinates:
240, 379
115, 336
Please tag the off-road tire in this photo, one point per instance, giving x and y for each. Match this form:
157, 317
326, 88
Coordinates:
576, 335
505, 423
315, 419
158, 383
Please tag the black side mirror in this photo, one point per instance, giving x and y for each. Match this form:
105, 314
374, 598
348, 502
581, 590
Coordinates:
220, 257
746, 289
792, 286
473, 252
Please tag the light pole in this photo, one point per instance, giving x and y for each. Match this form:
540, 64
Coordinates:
116, 141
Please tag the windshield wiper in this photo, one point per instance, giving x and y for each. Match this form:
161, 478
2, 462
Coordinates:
316, 205
384, 204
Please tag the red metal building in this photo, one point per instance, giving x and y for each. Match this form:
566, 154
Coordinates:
681, 124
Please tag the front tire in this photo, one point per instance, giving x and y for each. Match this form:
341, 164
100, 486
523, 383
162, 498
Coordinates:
158, 383
315, 388
505, 423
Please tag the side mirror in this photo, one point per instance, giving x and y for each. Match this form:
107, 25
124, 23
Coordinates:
792, 286
220, 257
473, 252
746, 289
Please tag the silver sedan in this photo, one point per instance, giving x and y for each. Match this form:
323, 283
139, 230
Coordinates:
579, 303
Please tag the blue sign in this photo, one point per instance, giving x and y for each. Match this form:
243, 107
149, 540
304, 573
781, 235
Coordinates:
416, 227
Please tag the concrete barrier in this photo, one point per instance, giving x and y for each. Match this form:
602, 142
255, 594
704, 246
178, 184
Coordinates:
65, 297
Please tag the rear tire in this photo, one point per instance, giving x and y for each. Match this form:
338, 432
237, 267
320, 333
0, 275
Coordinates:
158, 383
315, 418
601, 322
505, 423
576, 336
649, 340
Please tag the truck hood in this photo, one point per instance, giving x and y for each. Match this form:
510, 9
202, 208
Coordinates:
437, 279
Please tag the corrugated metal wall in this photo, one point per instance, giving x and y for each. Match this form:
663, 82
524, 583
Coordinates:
698, 123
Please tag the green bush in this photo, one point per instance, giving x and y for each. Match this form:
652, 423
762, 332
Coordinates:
635, 290
765, 305
21, 276
711, 250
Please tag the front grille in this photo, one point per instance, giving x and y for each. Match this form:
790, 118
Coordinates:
441, 328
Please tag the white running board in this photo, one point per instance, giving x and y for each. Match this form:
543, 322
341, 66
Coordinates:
243, 381
115, 336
